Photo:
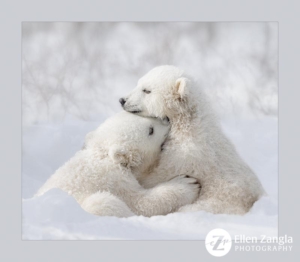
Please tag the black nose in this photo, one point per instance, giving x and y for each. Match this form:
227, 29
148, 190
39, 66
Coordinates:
122, 101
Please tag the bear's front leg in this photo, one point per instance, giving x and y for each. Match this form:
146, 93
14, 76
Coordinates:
166, 197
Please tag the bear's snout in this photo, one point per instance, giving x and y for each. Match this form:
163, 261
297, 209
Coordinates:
122, 101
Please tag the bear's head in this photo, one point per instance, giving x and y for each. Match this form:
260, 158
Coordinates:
162, 92
130, 141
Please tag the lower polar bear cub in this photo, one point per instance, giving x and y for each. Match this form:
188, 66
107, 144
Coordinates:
196, 145
102, 176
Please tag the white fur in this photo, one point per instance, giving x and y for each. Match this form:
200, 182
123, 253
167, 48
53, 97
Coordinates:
196, 144
102, 176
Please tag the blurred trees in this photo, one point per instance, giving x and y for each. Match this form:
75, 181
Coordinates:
79, 70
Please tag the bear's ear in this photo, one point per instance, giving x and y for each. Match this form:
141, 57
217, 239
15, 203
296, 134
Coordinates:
181, 87
125, 156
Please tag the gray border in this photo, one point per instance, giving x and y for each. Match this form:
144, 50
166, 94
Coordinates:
14, 12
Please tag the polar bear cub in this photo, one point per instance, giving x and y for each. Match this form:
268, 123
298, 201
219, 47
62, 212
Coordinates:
196, 145
102, 177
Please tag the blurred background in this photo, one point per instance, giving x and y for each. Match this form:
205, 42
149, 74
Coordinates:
79, 71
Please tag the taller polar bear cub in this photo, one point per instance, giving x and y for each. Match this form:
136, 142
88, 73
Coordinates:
196, 145
102, 176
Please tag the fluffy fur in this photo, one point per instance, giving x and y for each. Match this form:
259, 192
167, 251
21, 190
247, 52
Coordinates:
196, 145
102, 176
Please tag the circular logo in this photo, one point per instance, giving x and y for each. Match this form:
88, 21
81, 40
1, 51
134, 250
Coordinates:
218, 242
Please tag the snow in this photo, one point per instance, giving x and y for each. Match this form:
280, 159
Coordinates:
72, 77
56, 215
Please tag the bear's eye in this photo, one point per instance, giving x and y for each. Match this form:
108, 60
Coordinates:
146, 91
151, 131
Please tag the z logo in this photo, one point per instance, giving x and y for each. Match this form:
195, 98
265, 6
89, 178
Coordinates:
218, 242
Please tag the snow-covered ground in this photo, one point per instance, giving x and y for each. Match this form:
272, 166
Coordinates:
58, 216
72, 77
